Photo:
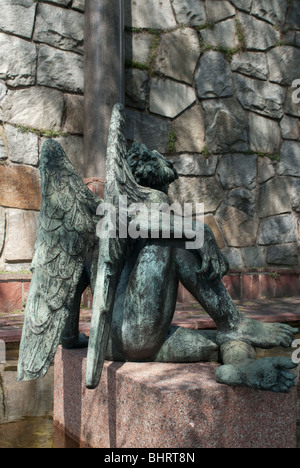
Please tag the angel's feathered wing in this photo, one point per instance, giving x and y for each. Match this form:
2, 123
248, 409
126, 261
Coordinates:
67, 228
112, 251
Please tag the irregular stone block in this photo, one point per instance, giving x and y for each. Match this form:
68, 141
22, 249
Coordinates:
151, 14
194, 164
284, 63
59, 28
190, 12
237, 170
254, 257
35, 107
292, 106
17, 17
296, 194
283, 255
23, 147
264, 134
18, 61
273, 11
225, 122
138, 47
136, 87
213, 78
266, 169
244, 5
148, 129
218, 11
169, 98
235, 259
290, 37
239, 230
253, 64
74, 113
289, 159
189, 129
243, 200
64, 3
20, 187
2, 228
277, 230
290, 128
3, 90
79, 5
275, 197
21, 235
3, 153
221, 35
210, 221
60, 69
293, 17
178, 54
260, 96
194, 190
3, 144
259, 35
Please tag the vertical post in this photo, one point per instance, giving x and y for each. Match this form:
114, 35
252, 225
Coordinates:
103, 77
2, 352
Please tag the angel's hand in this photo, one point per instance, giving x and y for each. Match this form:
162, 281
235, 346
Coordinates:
214, 263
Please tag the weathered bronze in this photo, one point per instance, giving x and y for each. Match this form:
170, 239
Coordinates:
134, 279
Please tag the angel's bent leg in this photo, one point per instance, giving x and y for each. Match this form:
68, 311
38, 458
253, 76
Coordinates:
70, 337
149, 303
212, 295
144, 309
185, 345
231, 323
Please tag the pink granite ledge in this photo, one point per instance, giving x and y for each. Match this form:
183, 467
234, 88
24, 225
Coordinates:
155, 405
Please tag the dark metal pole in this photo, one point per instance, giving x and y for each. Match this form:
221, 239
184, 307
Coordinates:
103, 77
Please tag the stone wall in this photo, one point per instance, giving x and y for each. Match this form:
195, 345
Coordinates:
41, 96
211, 84
208, 83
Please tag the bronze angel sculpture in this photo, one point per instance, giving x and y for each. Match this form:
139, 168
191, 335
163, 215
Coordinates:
134, 280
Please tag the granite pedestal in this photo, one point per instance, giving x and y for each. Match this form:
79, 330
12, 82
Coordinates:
155, 405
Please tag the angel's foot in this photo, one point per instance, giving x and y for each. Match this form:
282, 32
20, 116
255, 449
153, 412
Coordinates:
76, 342
260, 334
271, 374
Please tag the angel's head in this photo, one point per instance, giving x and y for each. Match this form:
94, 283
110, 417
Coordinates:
150, 168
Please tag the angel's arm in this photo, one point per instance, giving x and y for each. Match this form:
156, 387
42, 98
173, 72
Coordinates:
184, 233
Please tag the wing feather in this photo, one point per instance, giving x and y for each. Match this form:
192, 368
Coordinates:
112, 252
66, 232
